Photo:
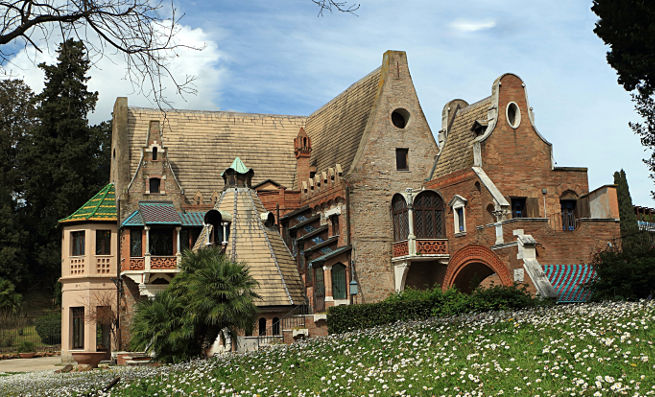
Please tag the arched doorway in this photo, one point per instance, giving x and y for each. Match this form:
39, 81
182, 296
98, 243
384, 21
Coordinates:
475, 265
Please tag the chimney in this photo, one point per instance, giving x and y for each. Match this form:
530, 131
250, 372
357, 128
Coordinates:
302, 149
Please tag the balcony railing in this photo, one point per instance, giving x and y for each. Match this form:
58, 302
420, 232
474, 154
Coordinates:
432, 247
148, 263
420, 247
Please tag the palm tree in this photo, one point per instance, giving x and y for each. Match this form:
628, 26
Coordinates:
221, 294
211, 293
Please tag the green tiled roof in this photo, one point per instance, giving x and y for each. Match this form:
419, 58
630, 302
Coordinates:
238, 166
101, 207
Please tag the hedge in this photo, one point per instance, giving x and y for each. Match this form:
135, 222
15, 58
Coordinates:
419, 305
49, 328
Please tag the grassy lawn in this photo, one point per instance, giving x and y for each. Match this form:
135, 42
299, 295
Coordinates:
590, 350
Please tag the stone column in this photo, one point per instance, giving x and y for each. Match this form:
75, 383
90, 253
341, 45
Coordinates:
327, 282
411, 238
178, 252
147, 248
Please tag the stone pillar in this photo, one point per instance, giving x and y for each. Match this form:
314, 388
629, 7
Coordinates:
327, 282
178, 252
147, 248
411, 238
399, 271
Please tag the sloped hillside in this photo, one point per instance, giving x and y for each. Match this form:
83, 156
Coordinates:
591, 350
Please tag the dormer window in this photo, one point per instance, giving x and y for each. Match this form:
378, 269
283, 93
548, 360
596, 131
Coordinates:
154, 154
154, 185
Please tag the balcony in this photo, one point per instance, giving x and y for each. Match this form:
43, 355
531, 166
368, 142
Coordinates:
420, 247
153, 263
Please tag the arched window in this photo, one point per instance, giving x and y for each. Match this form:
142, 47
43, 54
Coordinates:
339, 281
400, 220
262, 327
428, 215
276, 326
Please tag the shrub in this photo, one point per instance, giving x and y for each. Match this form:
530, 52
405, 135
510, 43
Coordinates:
419, 305
627, 274
10, 300
26, 347
49, 328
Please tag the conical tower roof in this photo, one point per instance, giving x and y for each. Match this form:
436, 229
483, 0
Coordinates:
258, 244
101, 207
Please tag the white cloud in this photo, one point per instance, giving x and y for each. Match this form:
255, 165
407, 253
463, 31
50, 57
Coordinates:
472, 26
108, 74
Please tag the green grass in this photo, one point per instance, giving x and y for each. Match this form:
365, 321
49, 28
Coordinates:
590, 350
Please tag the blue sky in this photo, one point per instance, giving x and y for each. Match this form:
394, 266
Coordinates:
279, 57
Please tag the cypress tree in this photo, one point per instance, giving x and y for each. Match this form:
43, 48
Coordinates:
16, 120
629, 228
60, 159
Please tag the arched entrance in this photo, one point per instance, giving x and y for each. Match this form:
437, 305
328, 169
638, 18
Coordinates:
474, 265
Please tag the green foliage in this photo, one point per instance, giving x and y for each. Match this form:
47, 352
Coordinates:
627, 274
49, 328
10, 300
62, 160
26, 347
16, 119
627, 27
210, 294
414, 304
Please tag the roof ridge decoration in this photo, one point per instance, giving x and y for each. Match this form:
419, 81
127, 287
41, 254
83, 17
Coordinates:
238, 166
101, 207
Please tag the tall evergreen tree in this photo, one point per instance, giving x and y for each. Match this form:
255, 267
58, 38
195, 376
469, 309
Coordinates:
629, 228
60, 159
16, 120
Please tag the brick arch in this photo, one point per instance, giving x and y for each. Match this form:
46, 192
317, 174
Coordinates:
475, 254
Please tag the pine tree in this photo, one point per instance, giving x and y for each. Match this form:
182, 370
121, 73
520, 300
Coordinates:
629, 228
60, 159
16, 120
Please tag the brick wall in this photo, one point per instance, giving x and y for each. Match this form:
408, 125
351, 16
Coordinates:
374, 178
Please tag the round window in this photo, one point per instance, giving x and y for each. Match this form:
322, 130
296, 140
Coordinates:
400, 117
513, 115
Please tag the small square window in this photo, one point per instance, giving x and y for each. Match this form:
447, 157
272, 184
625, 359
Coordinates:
154, 185
518, 207
401, 160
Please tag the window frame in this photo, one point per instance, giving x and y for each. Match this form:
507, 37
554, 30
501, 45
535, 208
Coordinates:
103, 243
404, 157
77, 327
458, 204
136, 232
524, 211
150, 185
431, 213
337, 282
166, 234
400, 218
78, 245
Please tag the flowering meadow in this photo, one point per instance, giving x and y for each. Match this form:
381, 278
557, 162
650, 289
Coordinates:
589, 350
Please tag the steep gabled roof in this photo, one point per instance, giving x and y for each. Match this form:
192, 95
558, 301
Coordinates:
457, 152
336, 129
201, 144
101, 207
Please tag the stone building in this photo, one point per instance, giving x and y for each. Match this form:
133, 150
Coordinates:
359, 192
